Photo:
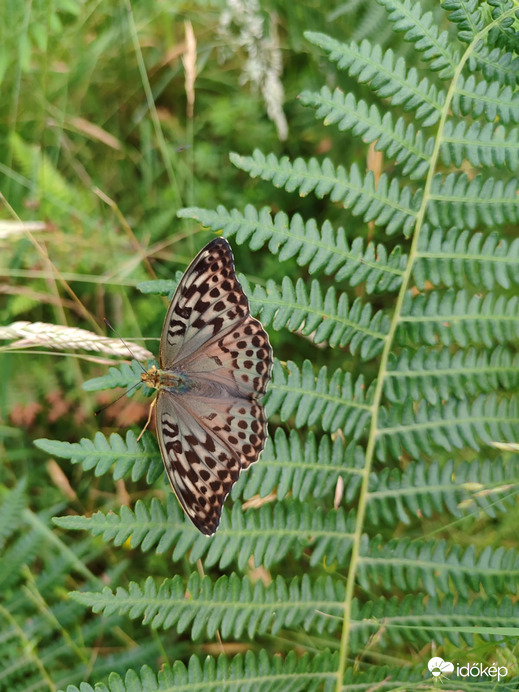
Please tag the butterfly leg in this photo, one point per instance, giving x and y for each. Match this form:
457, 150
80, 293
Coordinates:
149, 418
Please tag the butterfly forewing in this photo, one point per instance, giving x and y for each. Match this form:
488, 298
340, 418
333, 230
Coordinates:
208, 300
211, 426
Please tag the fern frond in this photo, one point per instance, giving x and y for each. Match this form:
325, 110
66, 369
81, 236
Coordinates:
436, 566
235, 607
398, 140
160, 287
146, 526
456, 317
489, 485
130, 456
303, 308
386, 204
450, 425
504, 33
22, 551
385, 75
269, 534
458, 622
456, 200
249, 672
11, 509
336, 402
486, 99
303, 469
456, 257
495, 65
482, 145
324, 250
232, 605
437, 375
466, 14
421, 30
123, 375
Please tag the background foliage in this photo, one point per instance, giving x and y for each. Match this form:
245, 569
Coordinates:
378, 243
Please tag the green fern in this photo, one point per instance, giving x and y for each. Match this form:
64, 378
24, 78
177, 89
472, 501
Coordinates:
40, 629
322, 249
135, 458
396, 430
250, 672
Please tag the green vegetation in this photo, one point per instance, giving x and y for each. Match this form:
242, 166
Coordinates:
376, 240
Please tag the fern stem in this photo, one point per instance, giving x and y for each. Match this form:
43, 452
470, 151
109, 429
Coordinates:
406, 281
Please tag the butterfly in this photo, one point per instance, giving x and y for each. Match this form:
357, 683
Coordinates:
215, 364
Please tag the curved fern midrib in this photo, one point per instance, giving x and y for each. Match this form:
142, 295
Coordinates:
283, 234
483, 97
310, 465
77, 454
377, 398
449, 487
442, 622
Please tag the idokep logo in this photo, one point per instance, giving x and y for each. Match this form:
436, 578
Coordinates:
438, 666
479, 670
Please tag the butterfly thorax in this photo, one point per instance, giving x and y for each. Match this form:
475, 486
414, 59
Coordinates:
164, 379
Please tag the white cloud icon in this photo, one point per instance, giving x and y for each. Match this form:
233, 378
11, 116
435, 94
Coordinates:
438, 666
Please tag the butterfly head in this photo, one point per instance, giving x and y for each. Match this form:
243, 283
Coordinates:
151, 377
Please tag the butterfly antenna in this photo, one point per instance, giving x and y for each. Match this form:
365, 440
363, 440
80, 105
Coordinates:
129, 349
103, 408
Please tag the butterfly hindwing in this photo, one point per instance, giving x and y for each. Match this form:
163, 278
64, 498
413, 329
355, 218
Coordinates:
240, 360
201, 468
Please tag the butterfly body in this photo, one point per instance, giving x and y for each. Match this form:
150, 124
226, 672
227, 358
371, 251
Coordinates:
166, 379
215, 363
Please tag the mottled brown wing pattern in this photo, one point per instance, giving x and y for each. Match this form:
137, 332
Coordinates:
239, 359
200, 467
209, 299
215, 363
